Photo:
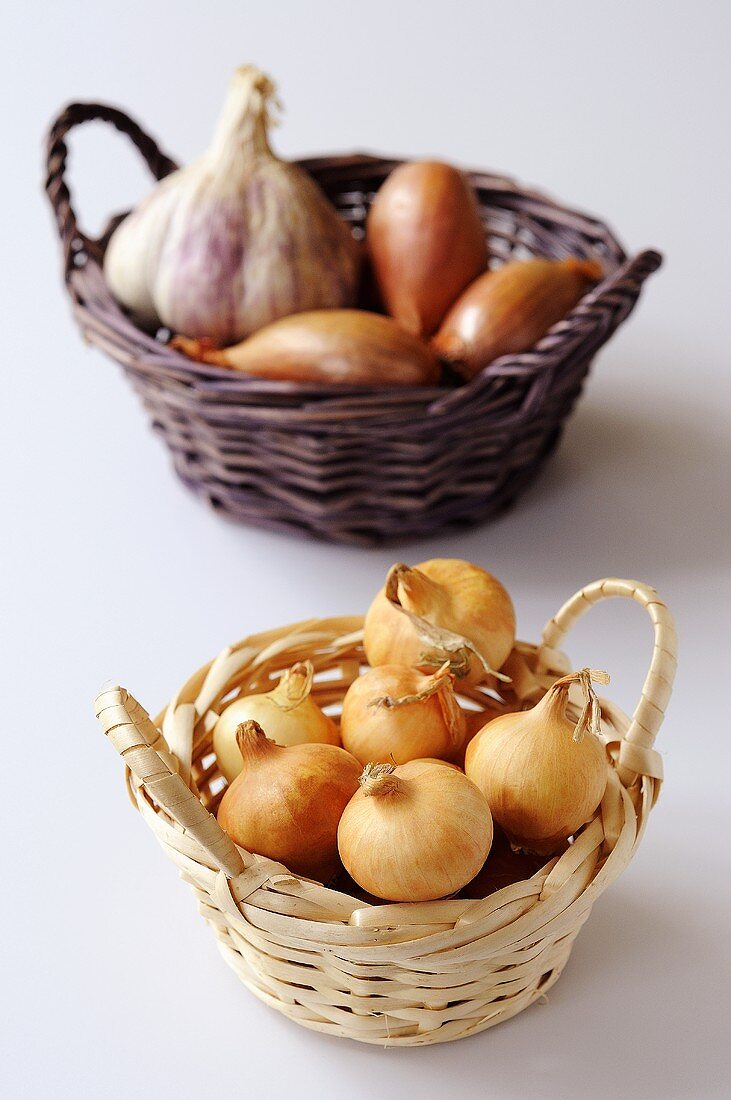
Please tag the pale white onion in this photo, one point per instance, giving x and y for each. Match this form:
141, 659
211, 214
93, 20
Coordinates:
288, 713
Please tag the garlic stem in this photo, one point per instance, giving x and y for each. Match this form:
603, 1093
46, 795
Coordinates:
244, 118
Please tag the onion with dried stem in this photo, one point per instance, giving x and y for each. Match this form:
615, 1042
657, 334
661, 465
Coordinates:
444, 609
286, 803
288, 713
416, 832
543, 775
399, 712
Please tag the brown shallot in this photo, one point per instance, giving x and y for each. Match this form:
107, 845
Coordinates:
508, 310
426, 242
330, 346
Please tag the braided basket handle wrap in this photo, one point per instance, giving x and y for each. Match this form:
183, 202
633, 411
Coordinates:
161, 165
636, 755
133, 734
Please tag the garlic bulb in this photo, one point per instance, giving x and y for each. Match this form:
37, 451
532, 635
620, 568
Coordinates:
288, 713
415, 832
400, 713
542, 775
236, 239
286, 803
442, 610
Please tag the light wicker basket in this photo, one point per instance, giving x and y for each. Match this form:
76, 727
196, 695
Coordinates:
390, 974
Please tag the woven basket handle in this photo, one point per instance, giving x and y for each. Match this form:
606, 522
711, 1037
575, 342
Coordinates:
72, 239
629, 276
636, 754
133, 734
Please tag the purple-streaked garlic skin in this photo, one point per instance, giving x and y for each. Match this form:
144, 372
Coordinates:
235, 240
230, 266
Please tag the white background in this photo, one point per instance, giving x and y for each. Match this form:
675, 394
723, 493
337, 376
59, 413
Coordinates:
113, 983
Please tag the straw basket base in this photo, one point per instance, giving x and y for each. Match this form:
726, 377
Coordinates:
498, 1002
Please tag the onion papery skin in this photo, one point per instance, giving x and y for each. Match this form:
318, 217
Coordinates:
286, 804
540, 783
375, 726
452, 594
421, 841
436, 760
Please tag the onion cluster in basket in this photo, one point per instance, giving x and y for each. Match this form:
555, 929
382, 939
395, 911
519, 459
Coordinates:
406, 792
245, 259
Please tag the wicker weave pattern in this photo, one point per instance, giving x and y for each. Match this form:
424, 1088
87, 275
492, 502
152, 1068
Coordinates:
393, 974
353, 464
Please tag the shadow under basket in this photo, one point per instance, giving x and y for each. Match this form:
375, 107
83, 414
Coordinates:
355, 464
391, 974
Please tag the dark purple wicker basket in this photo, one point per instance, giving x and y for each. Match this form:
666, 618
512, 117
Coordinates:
353, 464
